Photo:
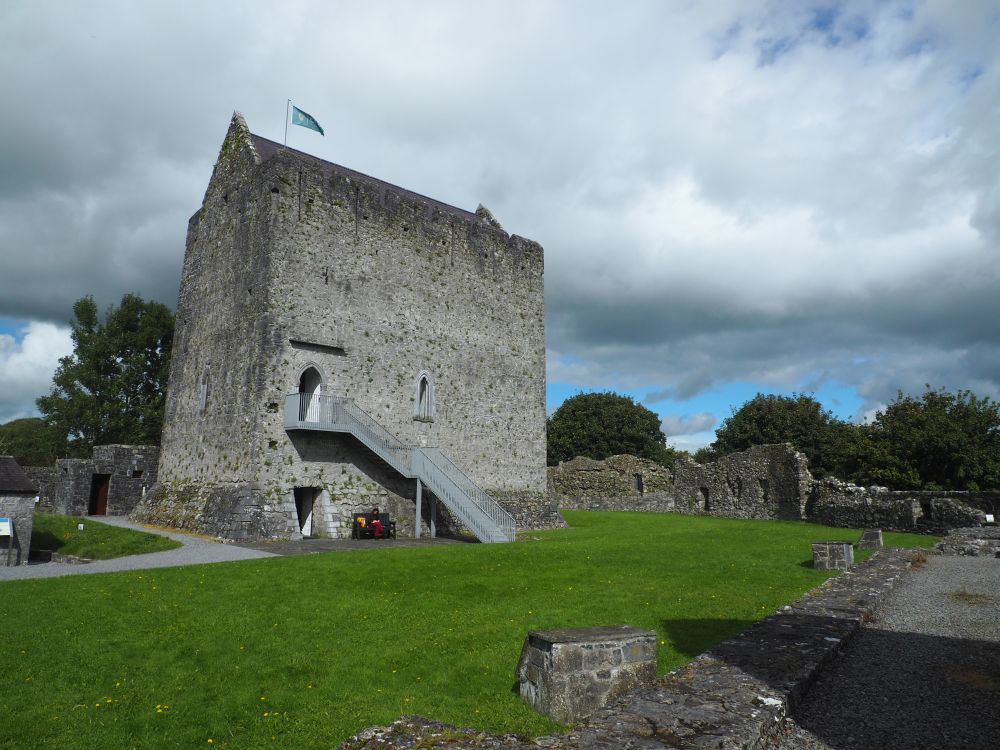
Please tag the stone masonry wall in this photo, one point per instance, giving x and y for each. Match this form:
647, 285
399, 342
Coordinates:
131, 471
44, 478
616, 483
20, 509
296, 265
767, 481
837, 503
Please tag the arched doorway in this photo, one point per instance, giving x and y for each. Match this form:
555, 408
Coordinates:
310, 386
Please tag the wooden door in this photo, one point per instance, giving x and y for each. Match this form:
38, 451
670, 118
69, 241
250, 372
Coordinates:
99, 495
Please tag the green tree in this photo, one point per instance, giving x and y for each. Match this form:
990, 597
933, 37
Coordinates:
940, 441
112, 388
31, 441
830, 444
598, 425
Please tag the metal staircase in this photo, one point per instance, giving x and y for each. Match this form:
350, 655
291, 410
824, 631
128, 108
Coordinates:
477, 511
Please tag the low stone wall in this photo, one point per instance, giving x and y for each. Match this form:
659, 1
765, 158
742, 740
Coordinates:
981, 541
836, 503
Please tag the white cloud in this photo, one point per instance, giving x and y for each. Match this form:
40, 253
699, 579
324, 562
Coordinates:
675, 425
27, 366
726, 191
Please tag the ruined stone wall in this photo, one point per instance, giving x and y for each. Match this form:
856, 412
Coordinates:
616, 483
836, 503
768, 481
295, 263
765, 481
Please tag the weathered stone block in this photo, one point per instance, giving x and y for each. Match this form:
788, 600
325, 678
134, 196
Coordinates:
835, 555
569, 674
871, 539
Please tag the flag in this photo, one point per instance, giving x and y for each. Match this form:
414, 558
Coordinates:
305, 119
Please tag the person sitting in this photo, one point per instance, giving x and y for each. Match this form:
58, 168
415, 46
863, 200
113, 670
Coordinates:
376, 524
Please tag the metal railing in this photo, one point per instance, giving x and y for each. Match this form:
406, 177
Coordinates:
478, 509
479, 512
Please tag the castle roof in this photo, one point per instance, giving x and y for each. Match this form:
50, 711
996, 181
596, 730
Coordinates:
266, 149
13, 479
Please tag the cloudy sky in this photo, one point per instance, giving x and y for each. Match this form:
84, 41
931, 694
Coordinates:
733, 196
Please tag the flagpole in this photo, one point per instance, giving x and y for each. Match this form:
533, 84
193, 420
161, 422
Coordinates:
287, 110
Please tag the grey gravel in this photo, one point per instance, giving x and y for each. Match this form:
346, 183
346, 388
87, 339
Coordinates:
924, 674
196, 550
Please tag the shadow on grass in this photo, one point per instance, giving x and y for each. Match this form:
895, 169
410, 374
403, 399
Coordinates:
44, 540
690, 637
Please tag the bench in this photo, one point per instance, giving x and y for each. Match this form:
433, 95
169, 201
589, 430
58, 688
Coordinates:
363, 529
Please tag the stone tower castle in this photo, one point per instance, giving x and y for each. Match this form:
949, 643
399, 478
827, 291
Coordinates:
341, 343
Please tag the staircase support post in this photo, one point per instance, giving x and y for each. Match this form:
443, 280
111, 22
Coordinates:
434, 513
416, 523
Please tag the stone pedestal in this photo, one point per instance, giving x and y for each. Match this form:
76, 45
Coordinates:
568, 674
871, 539
832, 555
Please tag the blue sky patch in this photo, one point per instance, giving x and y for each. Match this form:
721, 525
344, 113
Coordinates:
13, 327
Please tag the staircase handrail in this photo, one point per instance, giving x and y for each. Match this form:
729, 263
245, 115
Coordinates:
481, 513
439, 471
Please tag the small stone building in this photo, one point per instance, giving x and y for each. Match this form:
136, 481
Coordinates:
342, 342
110, 483
17, 505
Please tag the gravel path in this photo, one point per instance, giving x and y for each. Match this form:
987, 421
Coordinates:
195, 550
925, 674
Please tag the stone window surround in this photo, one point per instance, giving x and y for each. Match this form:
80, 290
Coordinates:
423, 397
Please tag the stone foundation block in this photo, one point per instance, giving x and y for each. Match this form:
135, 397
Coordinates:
569, 674
871, 539
832, 555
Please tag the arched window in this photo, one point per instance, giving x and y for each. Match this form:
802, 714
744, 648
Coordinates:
424, 398
310, 387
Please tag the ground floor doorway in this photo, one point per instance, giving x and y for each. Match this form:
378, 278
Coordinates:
305, 504
99, 485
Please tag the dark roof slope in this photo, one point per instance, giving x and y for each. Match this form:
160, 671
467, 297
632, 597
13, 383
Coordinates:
13, 479
267, 148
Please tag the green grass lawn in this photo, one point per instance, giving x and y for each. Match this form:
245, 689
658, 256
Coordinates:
97, 541
303, 651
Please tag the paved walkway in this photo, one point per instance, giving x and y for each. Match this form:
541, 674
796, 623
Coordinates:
924, 674
197, 550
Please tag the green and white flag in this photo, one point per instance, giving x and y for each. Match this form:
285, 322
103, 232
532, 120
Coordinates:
305, 119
